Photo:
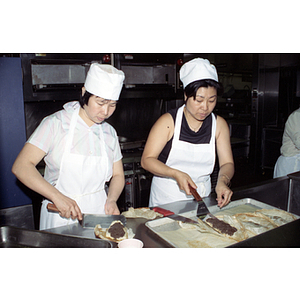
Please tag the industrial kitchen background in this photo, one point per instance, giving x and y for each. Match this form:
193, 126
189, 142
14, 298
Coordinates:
261, 90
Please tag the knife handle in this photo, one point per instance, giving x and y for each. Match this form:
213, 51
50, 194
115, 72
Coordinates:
163, 211
195, 194
52, 207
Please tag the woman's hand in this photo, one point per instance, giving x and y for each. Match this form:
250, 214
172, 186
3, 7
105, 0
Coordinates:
115, 189
184, 180
68, 208
224, 193
111, 208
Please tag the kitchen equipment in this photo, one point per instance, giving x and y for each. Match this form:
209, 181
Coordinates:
13, 237
202, 209
128, 144
175, 236
55, 76
91, 220
172, 215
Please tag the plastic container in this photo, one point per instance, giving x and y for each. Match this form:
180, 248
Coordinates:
131, 243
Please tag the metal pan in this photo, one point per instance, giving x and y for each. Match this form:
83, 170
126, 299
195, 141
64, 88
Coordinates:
13, 237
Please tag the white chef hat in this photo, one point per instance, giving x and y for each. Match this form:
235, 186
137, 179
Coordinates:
197, 69
104, 81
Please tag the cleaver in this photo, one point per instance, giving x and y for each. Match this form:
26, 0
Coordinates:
91, 220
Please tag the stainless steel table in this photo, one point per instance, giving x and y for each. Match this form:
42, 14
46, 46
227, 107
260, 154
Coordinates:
273, 192
137, 225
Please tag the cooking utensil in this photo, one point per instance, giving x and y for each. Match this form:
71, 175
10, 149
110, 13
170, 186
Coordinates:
172, 215
91, 220
202, 209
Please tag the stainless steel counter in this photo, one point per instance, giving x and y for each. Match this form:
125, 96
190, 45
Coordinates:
272, 192
14, 237
137, 225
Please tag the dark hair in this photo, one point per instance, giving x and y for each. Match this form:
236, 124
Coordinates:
84, 99
192, 88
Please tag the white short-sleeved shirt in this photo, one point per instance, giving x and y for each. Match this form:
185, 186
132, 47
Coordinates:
50, 136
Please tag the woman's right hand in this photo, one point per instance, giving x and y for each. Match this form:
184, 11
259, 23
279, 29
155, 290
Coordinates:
68, 208
184, 180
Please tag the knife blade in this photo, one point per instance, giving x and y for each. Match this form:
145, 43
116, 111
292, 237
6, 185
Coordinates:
91, 220
172, 215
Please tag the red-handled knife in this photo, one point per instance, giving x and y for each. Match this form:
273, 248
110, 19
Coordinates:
172, 215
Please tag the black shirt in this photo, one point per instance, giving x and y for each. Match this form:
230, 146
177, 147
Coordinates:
202, 136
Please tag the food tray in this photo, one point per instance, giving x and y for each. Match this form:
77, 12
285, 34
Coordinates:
13, 237
165, 227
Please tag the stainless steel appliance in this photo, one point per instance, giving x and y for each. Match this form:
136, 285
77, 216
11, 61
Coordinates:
56, 76
275, 94
137, 180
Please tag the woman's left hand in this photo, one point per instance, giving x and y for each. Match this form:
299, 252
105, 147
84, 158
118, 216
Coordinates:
111, 208
224, 194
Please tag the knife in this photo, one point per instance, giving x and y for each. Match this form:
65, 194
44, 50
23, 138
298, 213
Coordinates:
91, 220
172, 215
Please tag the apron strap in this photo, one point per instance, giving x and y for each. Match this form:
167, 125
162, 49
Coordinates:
71, 130
178, 122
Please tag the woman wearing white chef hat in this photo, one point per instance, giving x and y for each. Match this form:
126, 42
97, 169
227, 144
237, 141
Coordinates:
180, 150
81, 152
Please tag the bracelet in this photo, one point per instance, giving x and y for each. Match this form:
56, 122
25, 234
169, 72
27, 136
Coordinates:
229, 182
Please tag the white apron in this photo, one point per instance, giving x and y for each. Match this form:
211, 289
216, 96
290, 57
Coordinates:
82, 178
197, 160
286, 165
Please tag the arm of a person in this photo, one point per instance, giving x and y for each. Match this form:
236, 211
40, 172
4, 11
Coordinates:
116, 186
161, 132
292, 128
24, 168
226, 163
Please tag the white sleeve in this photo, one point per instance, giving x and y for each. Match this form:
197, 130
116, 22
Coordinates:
292, 128
42, 137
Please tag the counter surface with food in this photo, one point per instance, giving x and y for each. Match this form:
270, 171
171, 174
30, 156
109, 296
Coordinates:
272, 194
